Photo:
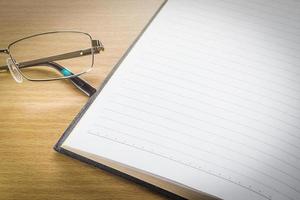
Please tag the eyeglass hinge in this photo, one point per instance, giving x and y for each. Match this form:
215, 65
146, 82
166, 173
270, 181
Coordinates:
97, 45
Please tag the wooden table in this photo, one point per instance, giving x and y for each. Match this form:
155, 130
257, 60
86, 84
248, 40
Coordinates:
33, 115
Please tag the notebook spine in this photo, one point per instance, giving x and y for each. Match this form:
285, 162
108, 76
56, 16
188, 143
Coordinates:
119, 173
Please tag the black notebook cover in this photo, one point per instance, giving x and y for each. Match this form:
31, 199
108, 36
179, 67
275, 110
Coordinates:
58, 147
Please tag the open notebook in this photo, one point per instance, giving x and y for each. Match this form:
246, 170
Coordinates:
206, 103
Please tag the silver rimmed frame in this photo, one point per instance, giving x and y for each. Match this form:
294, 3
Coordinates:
96, 47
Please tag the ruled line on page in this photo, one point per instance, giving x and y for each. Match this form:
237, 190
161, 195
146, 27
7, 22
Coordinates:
151, 65
188, 145
259, 50
238, 89
203, 140
287, 153
246, 25
194, 156
235, 12
291, 135
210, 64
254, 40
207, 95
229, 179
287, 6
189, 164
196, 42
232, 141
263, 7
225, 56
215, 124
248, 89
215, 88
283, 112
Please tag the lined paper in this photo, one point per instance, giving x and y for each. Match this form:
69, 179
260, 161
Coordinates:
209, 98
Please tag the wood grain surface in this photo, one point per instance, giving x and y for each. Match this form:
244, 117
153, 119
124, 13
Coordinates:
33, 115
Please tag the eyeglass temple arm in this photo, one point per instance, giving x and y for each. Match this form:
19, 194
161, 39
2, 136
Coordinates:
97, 47
81, 84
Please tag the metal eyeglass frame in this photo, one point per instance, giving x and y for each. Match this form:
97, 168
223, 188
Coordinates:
96, 47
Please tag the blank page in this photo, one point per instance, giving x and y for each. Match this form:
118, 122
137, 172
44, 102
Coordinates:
209, 98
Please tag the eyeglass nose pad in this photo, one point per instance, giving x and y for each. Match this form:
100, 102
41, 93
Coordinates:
14, 71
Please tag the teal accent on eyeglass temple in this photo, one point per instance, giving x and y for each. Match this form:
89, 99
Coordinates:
66, 72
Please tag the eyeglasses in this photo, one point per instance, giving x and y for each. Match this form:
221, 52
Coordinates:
53, 56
